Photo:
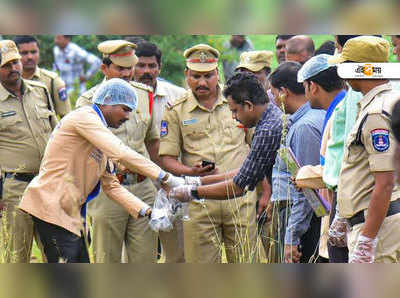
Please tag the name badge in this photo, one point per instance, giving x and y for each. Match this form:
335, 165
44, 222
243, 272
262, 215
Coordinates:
189, 121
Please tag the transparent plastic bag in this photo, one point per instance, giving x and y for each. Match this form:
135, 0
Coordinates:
165, 212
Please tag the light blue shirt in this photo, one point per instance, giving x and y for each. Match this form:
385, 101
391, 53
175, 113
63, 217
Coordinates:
303, 138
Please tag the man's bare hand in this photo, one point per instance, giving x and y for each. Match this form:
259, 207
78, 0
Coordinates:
292, 254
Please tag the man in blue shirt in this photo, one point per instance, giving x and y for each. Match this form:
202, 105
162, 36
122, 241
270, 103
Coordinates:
300, 228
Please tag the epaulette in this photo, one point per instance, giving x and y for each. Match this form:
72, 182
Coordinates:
48, 73
178, 101
89, 93
35, 84
141, 86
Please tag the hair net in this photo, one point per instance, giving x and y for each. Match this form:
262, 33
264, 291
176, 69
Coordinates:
116, 92
313, 67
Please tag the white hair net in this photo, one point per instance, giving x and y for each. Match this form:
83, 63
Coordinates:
313, 67
116, 92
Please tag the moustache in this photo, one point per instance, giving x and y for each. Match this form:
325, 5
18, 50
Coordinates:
146, 76
14, 72
202, 88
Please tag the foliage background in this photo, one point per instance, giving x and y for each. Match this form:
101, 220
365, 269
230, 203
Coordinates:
172, 47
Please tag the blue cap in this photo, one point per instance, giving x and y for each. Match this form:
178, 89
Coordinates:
313, 67
116, 92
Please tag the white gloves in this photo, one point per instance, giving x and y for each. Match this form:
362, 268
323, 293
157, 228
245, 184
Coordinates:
364, 251
192, 180
182, 193
337, 234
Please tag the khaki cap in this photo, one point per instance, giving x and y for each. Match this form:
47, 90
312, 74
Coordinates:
363, 49
8, 52
255, 60
310, 177
120, 52
201, 57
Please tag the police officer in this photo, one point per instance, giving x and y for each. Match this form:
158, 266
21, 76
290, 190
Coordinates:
199, 127
147, 71
29, 50
370, 203
26, 120
112, 225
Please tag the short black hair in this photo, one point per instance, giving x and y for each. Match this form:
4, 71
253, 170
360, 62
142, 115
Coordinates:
148, 49
283, 37
107, 61
20, 39
245, 86
328, 47
68, 36
328, 79
341, 39
286, 76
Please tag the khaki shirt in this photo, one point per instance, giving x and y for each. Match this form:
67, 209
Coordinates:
25, 127
201, 134
57, 90
79, 153
140, 127
165, 93
367, 150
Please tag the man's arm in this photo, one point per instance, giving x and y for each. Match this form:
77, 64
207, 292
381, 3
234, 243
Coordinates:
152, 147
220, 191
210, 179
172, 165
379, 204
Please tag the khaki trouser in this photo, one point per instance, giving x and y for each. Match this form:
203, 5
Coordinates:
388, 248
172, 243
215, 224
113, 227
17, 228
267, 235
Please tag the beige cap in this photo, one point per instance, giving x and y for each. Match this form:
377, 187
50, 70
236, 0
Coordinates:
8, 51
255, 60
201, 57
363, 49
120, 52
310, 177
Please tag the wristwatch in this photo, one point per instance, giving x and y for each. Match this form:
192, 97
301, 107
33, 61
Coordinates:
195, 193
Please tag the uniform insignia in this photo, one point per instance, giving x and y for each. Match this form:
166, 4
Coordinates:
380, 139
164, 128
189, 121
203, 57
8, 114
62, 94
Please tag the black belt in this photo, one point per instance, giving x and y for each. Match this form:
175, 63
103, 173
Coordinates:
24, 177
394, 208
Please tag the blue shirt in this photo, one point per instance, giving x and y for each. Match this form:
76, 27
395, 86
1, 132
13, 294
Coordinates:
266, 141
303, 138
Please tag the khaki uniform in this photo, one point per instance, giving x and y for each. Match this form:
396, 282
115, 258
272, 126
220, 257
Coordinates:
57, 90
25, 127
172, 241
112, 224
368, 149
195, 133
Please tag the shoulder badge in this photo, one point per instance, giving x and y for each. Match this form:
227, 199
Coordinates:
62, 93
380, 139
164, 128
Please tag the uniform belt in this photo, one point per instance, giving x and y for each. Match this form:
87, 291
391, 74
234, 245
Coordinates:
394, 208
130, 178
24, 177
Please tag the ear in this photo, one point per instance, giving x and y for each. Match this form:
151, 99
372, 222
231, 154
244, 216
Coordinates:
283, 93
313, 87
249, 104
104, 68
